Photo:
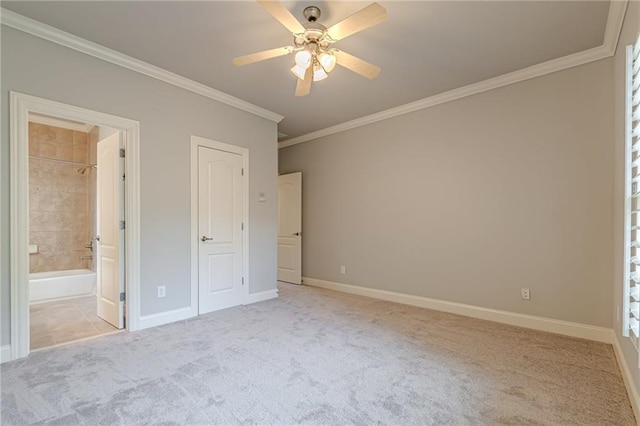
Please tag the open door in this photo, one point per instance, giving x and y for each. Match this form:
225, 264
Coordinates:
110, 238
290, 228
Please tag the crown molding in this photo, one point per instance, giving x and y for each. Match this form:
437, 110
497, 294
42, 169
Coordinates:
49, 33
617, 9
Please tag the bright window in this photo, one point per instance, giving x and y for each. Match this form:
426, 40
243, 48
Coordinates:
631, 303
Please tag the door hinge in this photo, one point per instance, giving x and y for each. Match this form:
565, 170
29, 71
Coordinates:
242, 280
122, 224
123, 176
242, 226
122, 297
242, 171
121, 152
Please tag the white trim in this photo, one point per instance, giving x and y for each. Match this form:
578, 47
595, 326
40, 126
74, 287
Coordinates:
627, 375
5, 353
57, 122
615, 19
608, 48
583, 331
262, 296
162, 318
538, 70
197, 141
19, 226
20, 107
47, 32
194, 300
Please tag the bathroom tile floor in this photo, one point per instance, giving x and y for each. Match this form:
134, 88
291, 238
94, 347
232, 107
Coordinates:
53, 323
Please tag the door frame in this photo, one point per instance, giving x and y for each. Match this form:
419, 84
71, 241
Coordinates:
196, 142
20, 107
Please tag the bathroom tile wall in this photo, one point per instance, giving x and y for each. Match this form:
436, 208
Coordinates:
58, 198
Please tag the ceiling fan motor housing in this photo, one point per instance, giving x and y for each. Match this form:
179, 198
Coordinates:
314, 33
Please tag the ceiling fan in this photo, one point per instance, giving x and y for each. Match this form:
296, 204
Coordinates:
315, 57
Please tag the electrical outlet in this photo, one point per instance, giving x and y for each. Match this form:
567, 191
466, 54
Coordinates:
524, 292
162, 291
343, 269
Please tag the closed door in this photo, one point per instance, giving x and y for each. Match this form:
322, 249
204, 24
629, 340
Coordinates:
290, 228
110, 238
220, 211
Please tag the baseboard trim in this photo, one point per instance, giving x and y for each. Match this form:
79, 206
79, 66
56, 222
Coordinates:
566, 328
627, 376
262, 296
162, 318
5, 353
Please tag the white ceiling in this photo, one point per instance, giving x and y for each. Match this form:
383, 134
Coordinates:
424, 47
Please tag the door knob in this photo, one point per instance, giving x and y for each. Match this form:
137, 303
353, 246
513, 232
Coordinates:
203, 239
297, 234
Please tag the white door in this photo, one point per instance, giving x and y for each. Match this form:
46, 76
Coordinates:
220, 227
110, 244
290, 228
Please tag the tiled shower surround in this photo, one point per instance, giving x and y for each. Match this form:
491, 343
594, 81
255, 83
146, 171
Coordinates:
59, 198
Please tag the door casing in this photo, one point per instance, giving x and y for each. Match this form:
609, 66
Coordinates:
20, 107
196, 142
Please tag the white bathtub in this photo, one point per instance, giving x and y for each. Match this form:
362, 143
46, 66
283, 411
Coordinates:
44, 286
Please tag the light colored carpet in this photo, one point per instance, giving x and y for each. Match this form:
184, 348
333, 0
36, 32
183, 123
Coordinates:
315, 356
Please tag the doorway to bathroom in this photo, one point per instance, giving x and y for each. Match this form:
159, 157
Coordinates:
71, 184
76, 205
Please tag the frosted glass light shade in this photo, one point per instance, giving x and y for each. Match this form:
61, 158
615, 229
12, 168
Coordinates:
299, 71
303, 58
328, 61
318, 73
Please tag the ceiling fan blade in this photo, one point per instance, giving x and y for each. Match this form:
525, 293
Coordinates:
283, 15
361, 20
356, 65
303, 88
261, 56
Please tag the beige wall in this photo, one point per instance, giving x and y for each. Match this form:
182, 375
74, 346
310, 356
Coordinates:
471, 200
630, 31
168, 116
58, 199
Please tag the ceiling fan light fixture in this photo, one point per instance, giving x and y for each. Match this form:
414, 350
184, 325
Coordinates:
314, 58
303, 58
328, 61
299, 71
319, 73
